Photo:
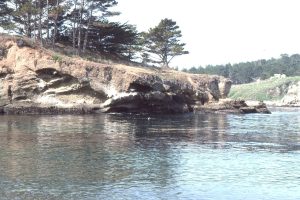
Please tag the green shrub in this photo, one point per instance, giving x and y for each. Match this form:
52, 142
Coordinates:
57, 58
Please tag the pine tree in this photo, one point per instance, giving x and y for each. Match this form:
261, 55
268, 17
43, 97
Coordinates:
5, 12
97, 6
120, 40
21, 16
80, 23
164, 42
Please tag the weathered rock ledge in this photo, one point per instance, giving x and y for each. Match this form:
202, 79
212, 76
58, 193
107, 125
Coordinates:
38, 81
234, 106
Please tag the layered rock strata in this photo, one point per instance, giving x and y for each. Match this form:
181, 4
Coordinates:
36, 80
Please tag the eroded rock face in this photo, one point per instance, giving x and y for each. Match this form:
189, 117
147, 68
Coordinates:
34, 78
234, 106
292, 97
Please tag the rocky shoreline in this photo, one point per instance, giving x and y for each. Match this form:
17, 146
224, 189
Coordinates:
228, 106
235, 107
42, 110
35, 81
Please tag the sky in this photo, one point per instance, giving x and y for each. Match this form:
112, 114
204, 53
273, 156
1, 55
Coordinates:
222, 31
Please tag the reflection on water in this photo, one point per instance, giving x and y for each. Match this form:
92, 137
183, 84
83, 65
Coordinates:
193, 156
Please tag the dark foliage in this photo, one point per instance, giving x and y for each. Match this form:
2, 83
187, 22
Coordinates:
247, 72
81, 24
162, 43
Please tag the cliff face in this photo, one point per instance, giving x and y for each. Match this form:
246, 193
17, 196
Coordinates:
35, 78
292, 97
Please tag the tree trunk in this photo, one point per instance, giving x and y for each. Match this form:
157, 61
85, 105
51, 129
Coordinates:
79, 29
47, 20
40, 22
87, 32
165, 57
85, 40
164, 61
28, 25
74, 28
55, 24
29, 15
34, 29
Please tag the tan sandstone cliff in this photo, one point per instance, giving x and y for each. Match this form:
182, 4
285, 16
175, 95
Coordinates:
36, 80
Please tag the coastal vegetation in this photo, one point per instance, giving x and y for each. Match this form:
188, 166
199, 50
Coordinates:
272, 89
36, 80
163, 41
247, 72
84, 28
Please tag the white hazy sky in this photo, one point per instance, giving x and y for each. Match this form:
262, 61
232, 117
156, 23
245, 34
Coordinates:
222, 31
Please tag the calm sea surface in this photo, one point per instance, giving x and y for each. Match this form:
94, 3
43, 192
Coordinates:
193, 156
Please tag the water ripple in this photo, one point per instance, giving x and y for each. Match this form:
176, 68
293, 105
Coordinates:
192, 156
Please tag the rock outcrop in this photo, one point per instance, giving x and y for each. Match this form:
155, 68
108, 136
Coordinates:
39, 81
234, 106
31, 78
292, 97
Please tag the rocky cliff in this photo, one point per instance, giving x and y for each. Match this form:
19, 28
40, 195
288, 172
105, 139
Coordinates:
40, 81
292, 97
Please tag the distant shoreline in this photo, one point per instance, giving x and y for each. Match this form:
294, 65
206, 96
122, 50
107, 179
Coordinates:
269, 104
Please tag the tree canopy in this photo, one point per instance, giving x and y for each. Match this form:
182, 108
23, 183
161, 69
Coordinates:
246, 72
164, 42
51, 21
85, 26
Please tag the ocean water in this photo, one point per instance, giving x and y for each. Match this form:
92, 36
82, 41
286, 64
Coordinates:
123, 156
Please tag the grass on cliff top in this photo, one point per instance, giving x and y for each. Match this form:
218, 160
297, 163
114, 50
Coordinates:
66, 55
63, 50
263, 90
